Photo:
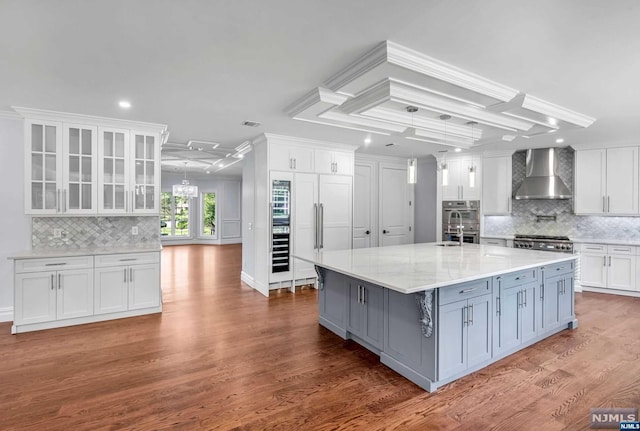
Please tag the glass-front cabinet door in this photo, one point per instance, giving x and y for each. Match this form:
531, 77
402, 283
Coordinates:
113, 171
44, 167
80, 178
146, 172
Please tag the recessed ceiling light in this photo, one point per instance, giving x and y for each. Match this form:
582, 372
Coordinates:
457, 150
367, 141
221, 165
241, 156
208, 172
124, 104
553, 121
559, 141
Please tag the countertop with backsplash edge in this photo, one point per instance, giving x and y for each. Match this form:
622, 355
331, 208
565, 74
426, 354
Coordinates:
632, 242
88, 251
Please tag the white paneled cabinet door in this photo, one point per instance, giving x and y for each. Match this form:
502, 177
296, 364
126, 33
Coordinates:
622, 180
146, 173
363, 206
113, 171
395, 206
621, 272
496, 185
305, 201
144, 286
590, 178
302, 159
110, 291
593, 269
79, 169
470, 179
43, 167
75, 293
336, 202
450, 180
35, 297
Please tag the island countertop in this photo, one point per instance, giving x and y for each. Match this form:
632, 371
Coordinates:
414, 268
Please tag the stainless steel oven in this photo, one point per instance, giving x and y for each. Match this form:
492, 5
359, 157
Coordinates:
461, 213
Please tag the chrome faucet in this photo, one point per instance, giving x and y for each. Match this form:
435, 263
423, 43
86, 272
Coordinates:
459, 227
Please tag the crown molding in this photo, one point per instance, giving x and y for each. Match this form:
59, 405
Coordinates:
10, 115
362, 157
555, 111
498, 153
41, 114
291, 140
314, 97
363, 64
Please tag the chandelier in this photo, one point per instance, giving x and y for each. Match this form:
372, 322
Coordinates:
185, 189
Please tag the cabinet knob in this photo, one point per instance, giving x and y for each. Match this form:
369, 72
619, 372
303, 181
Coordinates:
367, 232
385, 231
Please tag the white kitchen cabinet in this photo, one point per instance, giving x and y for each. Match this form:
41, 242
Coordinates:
60, 168
383, 211
496, 185
61, 291
608, 266
606, 181
44, 296
462, 180
283, 157
79, 165
333, 162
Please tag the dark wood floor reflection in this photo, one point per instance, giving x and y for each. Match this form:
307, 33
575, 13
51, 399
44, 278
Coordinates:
222, 356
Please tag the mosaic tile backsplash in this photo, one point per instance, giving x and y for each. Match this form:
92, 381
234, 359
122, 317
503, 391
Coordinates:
83, 232
523, 218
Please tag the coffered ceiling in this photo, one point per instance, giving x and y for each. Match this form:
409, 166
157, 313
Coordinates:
204, 67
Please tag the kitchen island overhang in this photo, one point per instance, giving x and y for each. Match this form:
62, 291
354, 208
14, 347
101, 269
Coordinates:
434, 314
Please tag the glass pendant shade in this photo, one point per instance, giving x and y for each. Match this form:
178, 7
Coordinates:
412, 171
185, 189
445, 174
472, 176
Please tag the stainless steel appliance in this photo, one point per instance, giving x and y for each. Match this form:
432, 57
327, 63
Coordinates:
542, 180
461, 213
280, 225
559, 244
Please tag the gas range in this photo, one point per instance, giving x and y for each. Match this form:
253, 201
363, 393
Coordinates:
559, 244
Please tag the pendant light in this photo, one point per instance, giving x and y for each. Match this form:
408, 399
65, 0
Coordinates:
185, 189
443, 166
412, 163
472, 168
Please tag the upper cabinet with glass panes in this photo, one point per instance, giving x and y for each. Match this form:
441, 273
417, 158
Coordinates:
76, 164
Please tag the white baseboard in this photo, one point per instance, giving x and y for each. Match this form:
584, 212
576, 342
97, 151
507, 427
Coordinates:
6, 314
611, 291
236, 240
247, 279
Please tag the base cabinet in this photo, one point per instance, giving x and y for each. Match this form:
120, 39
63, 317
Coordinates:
92, 291
437, 336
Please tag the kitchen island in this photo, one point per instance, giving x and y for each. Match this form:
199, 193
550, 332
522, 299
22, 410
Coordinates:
436, 312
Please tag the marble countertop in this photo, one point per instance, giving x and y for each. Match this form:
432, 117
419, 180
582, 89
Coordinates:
417, 267
497, 236
89, 251
606, 241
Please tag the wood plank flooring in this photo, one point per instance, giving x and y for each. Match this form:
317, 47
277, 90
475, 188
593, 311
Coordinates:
223, 357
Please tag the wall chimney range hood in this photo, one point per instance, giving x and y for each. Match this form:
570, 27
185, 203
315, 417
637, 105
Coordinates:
542, 181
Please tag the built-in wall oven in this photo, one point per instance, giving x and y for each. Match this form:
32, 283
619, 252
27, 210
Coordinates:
461, 213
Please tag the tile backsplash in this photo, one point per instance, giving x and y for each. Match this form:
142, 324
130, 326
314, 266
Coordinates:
524, 212
83, 232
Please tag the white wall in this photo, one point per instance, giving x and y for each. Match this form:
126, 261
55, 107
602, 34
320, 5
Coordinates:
228, 207
16, 227
248, 196
426, 201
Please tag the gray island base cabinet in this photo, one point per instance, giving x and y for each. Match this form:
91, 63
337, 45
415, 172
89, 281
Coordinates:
436, 336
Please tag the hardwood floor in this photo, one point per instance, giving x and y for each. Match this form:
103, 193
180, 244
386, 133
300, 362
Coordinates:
222, 356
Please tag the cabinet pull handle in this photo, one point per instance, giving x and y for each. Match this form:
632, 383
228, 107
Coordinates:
604, 263
359, 300
497, 305
364, 296
464, 315
608, 204
321, 245
468, 290
620, 249
524, 297
604, 205
542, 292
609, 260
521, 277
52, 282
125, 275
471, 314
315, 225
64, 200
58, 201
55, 264
295, 163
59, 282
128, 260
131, 275
560, 268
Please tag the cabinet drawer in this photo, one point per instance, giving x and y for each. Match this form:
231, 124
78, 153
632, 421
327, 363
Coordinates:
494, 241
127, 259
593, 248
520, 277
621, 249
53, 264
464, 291
559, 268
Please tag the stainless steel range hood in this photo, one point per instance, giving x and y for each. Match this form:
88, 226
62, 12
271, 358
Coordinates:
542, 181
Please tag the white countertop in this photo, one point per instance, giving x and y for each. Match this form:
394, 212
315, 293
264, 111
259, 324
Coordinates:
416, 267
605, 241
507, 237
89, 251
